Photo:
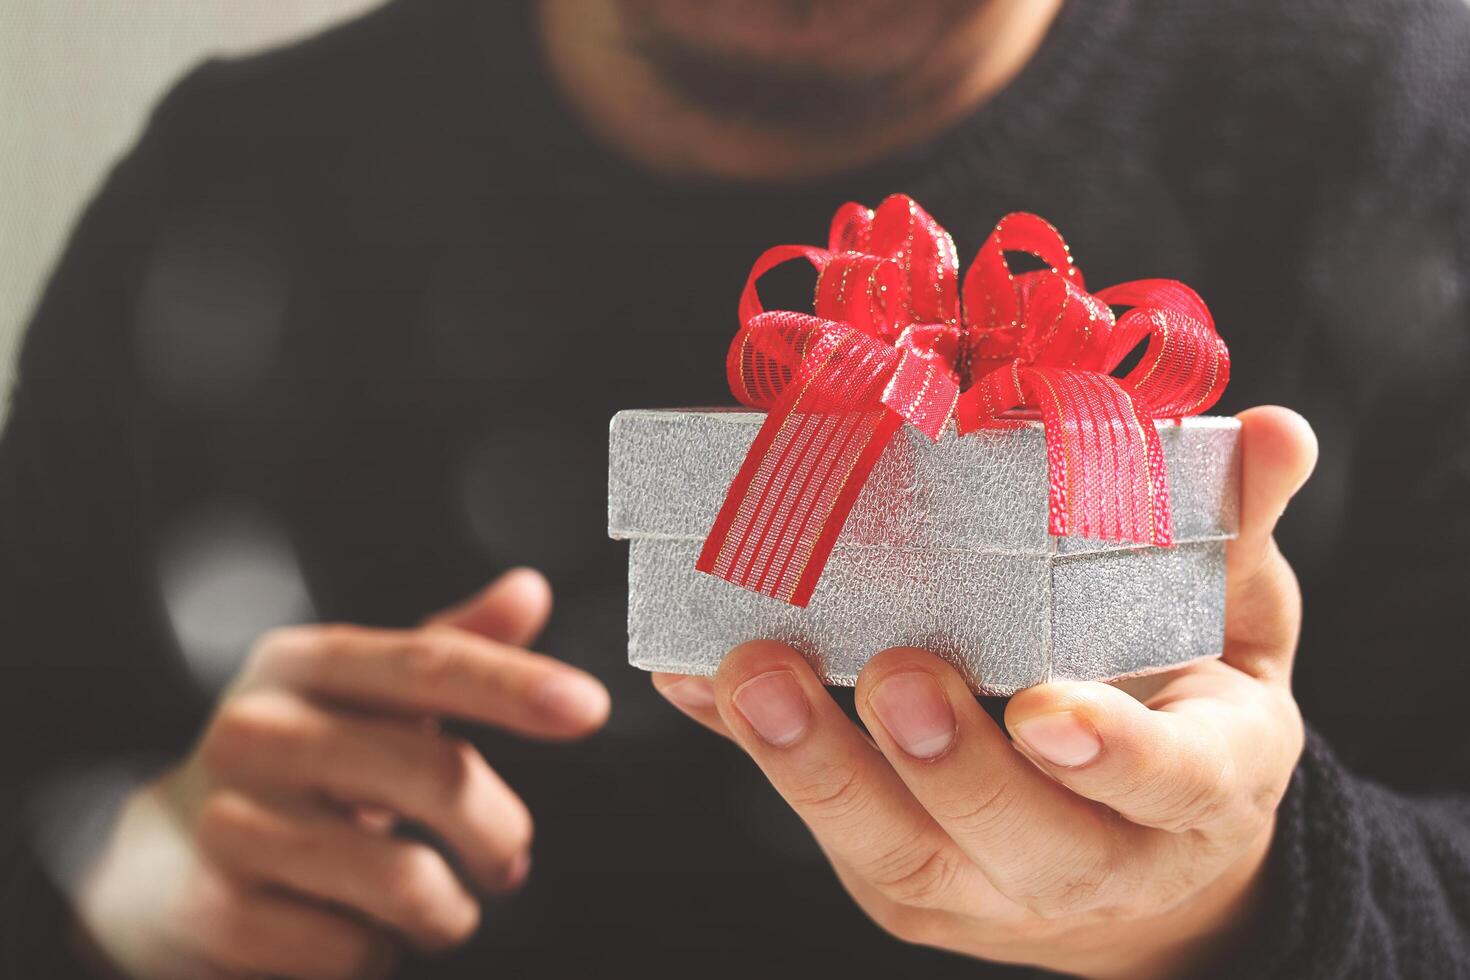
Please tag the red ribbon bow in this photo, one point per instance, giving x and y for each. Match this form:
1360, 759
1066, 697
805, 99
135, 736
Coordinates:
887, 345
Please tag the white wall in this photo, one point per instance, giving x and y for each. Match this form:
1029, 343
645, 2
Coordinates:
77, 78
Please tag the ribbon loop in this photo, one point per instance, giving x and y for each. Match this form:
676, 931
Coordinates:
863, 290
1186, 366
889, 342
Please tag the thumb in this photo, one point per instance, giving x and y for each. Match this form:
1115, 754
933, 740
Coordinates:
1262, 602
512, 610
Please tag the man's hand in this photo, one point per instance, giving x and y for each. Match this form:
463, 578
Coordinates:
270, 850
1118, 834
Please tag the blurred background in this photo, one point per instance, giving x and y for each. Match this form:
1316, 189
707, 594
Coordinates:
77, 78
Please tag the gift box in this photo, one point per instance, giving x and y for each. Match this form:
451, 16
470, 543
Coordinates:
941, 463
946, 548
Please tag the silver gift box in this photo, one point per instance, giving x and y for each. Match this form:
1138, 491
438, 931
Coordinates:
946, 549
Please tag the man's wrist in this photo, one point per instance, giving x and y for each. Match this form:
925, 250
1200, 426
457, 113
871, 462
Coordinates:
1202, 936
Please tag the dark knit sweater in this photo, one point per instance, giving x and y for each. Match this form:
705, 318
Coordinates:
340, 338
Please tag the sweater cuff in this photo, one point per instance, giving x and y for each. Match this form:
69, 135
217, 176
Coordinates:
1316, 877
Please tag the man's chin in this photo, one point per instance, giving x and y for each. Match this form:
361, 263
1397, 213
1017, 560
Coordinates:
827, 64
845, 35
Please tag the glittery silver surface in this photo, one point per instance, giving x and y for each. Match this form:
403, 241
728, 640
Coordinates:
945, 549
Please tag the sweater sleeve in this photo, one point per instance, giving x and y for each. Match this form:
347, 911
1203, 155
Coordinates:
1366, 883
84, 641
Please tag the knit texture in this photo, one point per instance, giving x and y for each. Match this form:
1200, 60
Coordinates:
332, 343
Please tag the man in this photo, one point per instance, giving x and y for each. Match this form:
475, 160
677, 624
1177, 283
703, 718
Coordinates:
341, 337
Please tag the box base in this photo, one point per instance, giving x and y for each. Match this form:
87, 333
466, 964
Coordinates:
1018, 620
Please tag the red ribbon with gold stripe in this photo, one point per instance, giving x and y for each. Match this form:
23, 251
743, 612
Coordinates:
886, 344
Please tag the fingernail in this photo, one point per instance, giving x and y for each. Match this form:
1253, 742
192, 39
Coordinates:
575, 697
775, 707
913, 708
1062, 739
694, 693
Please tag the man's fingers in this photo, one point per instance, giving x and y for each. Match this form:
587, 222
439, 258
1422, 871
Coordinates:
836, 781
273, 740
1209, 760
436, 670
1035, 841
1278, 452
695, 696
403, 885
248, 931
1263, 603
513, 609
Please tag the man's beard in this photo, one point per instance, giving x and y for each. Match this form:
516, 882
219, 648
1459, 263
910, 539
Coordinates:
832, 91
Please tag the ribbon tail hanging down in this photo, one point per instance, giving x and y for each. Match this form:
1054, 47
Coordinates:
1104, 462
793, 494
803, 473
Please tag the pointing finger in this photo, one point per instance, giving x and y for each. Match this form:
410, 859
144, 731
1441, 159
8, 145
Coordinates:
437, 670
513, 609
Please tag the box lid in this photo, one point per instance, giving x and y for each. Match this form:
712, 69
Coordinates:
985, 491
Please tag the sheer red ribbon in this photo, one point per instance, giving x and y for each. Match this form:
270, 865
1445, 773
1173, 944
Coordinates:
886, 344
